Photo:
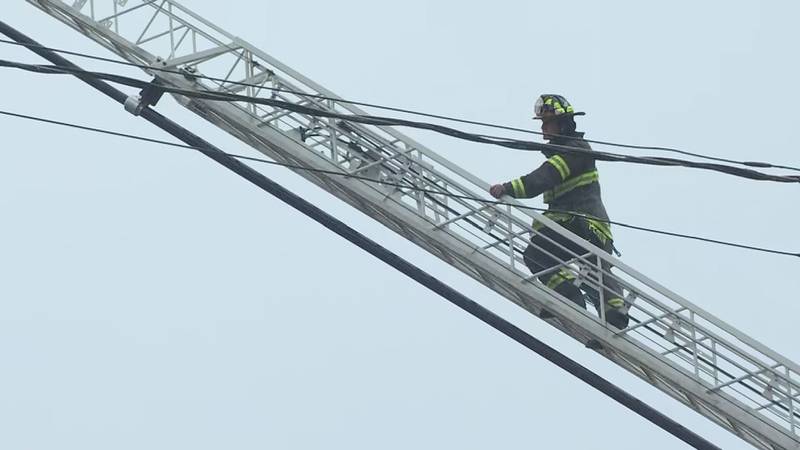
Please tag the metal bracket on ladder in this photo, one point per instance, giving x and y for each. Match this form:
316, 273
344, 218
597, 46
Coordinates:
148, 96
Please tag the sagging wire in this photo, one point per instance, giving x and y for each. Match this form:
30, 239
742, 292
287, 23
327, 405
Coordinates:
222, 81
400, 186
388, 121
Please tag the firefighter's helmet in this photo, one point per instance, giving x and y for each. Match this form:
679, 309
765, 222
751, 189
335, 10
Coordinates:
553, 106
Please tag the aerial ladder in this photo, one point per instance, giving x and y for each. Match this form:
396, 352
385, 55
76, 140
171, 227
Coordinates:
671, 343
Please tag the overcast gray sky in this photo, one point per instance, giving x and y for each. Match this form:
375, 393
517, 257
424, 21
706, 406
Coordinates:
152, 299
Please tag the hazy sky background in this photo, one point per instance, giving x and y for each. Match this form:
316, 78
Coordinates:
151, 299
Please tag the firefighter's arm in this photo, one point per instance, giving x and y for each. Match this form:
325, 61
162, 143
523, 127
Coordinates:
550, 174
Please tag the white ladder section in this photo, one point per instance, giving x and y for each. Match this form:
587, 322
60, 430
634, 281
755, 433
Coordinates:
672, 344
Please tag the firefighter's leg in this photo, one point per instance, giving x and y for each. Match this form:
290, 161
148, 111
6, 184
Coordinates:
542, 254
616, 311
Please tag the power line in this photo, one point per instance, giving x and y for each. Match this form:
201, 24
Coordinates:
388, 121
763, 165
401, 186
392, 259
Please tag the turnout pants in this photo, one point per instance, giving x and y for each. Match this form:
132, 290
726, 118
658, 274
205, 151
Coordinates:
548, 249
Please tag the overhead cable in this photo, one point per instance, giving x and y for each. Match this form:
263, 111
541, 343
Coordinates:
388, 121
402, 186
390, 258
222, 81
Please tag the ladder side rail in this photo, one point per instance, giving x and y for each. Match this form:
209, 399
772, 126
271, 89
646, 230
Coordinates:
669, 315
709, 364
715, 352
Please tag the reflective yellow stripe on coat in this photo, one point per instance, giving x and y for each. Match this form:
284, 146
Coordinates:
561, 166
571, 184
519, 188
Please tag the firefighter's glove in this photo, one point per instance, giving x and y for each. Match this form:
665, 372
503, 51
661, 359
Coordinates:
497, 190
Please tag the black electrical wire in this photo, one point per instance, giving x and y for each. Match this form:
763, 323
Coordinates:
388, 121
432, 283
403, 186
222, 81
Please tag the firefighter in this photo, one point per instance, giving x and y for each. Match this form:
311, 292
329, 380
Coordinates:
571, 188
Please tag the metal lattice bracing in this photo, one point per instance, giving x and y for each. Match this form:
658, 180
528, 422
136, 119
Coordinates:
672, 344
